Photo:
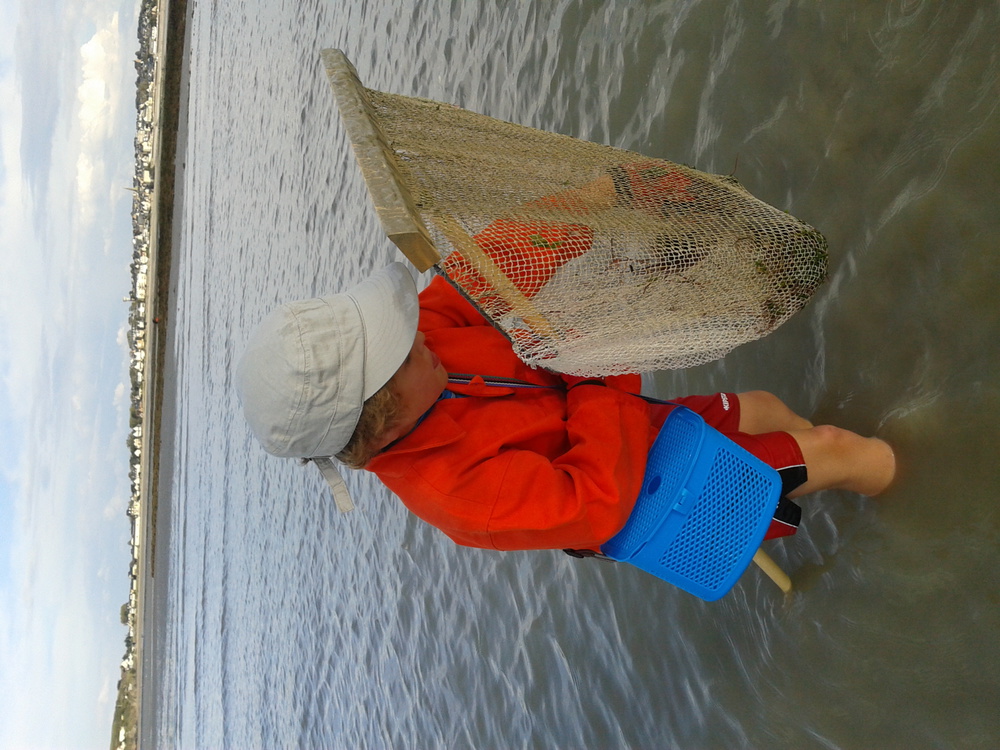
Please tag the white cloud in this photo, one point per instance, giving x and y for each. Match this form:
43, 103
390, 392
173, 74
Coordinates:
122, 396
98, 99
63, 410
21, 283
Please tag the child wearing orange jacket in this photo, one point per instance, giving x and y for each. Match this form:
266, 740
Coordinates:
426, 394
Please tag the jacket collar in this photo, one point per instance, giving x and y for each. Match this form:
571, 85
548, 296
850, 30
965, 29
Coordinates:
441, 430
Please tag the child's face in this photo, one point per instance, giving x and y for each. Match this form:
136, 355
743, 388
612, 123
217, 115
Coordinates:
418, 382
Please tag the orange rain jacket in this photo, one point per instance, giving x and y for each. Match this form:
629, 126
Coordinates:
514, 468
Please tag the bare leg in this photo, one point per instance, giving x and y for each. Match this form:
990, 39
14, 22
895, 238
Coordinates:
762, 412
835, 458
840, 459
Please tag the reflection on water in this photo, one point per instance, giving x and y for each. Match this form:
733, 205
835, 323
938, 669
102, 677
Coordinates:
877, 124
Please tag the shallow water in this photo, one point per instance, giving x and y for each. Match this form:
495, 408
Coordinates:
288, 625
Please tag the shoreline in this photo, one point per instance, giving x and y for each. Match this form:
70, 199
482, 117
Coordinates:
173, 75
170, 85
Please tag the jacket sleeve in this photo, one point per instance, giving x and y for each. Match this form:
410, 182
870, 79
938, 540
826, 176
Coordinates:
441, 306
484, 494
584, 496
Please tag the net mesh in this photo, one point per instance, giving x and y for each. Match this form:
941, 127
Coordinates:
594, 260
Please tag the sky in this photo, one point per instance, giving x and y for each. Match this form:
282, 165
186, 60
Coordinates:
67, 125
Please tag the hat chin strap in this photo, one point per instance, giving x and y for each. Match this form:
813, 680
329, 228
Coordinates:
334, 478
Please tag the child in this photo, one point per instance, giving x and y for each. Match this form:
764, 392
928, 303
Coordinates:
430, 397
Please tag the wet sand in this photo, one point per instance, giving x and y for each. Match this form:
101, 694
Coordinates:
159, 395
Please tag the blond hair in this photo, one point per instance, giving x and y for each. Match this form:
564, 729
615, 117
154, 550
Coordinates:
378, 415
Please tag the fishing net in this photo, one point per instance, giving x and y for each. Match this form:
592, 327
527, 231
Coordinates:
592, 260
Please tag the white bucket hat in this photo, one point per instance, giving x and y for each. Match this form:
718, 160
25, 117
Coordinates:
310, 366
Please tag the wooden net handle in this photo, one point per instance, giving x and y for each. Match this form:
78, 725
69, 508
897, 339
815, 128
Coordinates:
771, 569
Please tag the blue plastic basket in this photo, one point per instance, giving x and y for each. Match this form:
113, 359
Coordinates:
704, 508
